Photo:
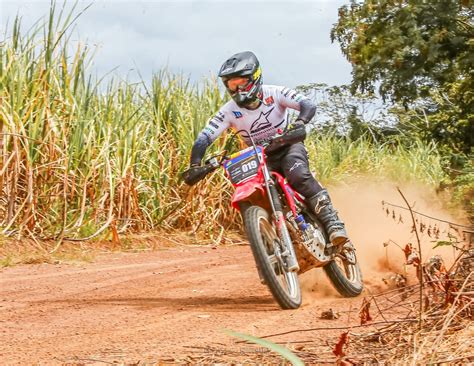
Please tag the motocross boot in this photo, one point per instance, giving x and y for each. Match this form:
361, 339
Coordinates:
325, 212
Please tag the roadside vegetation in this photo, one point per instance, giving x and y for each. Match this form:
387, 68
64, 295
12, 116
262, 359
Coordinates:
82, 160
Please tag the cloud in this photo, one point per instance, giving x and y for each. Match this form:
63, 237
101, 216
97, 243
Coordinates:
290, 38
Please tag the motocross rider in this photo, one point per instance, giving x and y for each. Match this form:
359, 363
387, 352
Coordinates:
259, 111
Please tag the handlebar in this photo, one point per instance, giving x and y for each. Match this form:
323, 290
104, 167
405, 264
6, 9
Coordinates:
194, 175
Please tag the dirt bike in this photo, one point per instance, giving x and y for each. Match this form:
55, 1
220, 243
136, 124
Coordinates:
285, 236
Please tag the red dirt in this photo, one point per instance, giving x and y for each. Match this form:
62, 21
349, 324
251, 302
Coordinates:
143, 307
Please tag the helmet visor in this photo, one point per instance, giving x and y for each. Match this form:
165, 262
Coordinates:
239, 83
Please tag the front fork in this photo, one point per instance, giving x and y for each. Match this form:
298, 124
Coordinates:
280, 221
275, 204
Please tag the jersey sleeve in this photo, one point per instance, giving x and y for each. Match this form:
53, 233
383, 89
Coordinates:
290, 98
217, 125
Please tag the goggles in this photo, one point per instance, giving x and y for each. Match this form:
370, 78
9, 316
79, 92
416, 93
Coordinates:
237, 84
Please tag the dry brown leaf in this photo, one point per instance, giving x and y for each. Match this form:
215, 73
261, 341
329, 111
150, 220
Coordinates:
339, 348
364, 312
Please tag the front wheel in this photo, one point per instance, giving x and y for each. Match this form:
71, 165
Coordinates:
344, 272
266, 248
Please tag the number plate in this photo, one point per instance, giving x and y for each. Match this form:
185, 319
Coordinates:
243, 165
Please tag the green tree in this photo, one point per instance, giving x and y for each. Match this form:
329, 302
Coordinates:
420, 54
351, 114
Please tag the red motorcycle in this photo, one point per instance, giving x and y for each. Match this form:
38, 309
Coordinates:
285, 236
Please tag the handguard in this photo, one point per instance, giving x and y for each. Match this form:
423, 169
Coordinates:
195, 174
290, 137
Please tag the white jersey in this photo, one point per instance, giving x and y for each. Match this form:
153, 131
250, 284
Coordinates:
261, 123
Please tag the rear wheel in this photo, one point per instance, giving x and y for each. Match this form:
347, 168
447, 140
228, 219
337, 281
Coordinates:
267, 249
344, 272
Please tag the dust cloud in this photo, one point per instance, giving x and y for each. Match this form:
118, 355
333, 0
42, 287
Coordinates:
360, 206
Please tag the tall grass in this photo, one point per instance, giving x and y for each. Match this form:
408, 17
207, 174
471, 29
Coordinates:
76, 162
338, 159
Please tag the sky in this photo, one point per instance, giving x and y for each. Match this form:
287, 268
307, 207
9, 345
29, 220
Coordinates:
290, 38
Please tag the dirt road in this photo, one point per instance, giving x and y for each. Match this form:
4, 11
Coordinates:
139, 308
146, 307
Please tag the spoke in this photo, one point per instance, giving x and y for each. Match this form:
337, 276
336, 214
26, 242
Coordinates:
271, 241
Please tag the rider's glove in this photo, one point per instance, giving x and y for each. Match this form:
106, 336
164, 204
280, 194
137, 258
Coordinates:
296, 124
189, 174
194, 174
294, 133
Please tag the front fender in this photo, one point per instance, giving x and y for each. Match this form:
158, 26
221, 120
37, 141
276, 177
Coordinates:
244, 191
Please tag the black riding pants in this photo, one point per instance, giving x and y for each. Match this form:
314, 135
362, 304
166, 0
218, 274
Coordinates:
292, 162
